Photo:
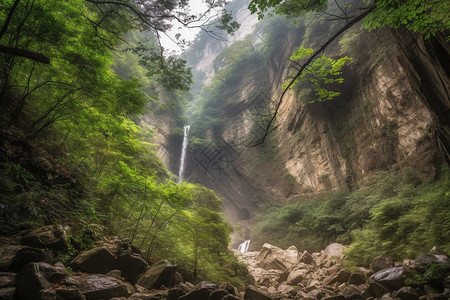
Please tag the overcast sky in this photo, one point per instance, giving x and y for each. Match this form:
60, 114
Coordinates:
196, 7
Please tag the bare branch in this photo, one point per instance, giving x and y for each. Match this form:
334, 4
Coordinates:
303, 67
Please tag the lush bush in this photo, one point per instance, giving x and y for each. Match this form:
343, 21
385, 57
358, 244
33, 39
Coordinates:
391, 214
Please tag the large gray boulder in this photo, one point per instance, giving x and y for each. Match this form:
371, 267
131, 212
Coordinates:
391, 278
274, 258
341, 277
53, 237
98, 286
253, 293
131, 265
425, 259
13, 258
381, 262
96, 260
35, 277
198, 294
159, 274
296, 276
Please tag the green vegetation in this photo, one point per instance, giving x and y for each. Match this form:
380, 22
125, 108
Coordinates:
72, 150
392, 214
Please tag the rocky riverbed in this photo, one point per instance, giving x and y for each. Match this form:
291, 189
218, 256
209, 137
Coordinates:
114, 269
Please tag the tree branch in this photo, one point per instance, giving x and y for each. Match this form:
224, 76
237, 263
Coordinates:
303, 67
25, 53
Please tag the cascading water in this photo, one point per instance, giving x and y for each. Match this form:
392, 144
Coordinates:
183, 153
244, 246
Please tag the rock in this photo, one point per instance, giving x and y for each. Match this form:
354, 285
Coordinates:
406, 293
391, 278
231, 289
198, 294
61, 293
175, 293
306, 258
7, 293
217, 294
131, 265
381, 262
356, 279
334, 252
272, 257
98, 286
315, 294
231, 297
35, 277
158, 274
154, 295
207, 284
13, 258
96, 260
338, 297
252, 293
296, 276
7, 254
115, 273
341, 277
281, 277
52, 237
7, 279
375, 290
284, 288
425, 259
436, 250
351, 290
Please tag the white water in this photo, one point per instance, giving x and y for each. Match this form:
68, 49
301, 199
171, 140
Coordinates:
244, 246
183, 153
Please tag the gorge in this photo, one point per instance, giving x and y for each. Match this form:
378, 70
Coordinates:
314, 166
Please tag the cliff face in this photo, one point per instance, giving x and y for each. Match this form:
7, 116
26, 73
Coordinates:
379, 122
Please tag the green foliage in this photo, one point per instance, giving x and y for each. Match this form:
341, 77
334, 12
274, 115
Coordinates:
322, 72
434, 275
389, 215
290, 8
425, 17
70, 152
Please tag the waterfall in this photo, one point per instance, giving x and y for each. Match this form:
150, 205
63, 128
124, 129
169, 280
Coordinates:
244, 246
183, 153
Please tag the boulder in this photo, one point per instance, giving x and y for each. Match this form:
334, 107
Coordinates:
7, 254
296, 276
131, 265
406, 293
61, 293
198, 294
341, 277
356, 279
158, 274
438, 251
231, 289
375, 290
13, 258
338, 297
425, 259
283, 276
272, 257
306, 258
217, 294
35, 277
53, 237
252, 293
352, 290
231, 297
98, 286
7, 279
391, 278
381, 262
96, 260
7, 293
333, 252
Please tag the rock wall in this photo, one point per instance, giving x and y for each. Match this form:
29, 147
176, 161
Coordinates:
379, 122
